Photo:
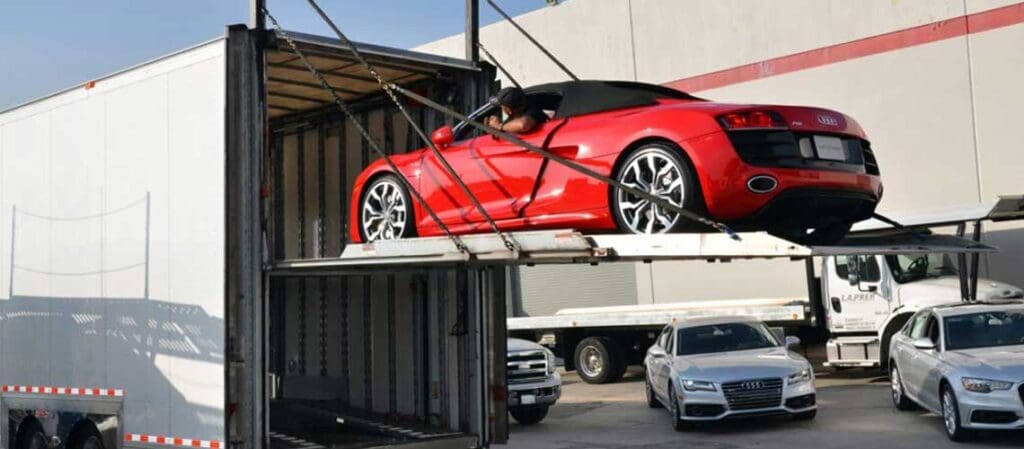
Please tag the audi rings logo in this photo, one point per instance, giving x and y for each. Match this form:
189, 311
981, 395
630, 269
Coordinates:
753, 385
828, 120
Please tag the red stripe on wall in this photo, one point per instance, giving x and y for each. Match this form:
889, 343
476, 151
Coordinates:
896, 40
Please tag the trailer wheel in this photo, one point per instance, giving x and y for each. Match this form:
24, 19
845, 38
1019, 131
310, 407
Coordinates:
599, 360
31, 436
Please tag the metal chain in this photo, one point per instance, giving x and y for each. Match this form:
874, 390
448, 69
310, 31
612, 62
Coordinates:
571, 164
430, 143
366, 134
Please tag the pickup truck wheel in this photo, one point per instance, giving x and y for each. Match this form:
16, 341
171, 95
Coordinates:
599, 360
529, 416
31, 437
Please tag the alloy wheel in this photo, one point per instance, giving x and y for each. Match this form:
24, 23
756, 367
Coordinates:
384, 212
654, 172
897, 387
949, 412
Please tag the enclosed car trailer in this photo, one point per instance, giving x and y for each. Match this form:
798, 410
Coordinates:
143, 213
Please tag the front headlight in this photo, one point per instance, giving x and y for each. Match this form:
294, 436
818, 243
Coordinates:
800, 377
698, 385
551, 360
978, 385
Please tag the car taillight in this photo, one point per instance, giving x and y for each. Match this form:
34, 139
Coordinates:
752, 120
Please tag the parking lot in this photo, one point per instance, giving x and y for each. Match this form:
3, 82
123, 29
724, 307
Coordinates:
855, 412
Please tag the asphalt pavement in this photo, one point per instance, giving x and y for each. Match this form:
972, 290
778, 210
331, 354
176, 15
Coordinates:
854, 412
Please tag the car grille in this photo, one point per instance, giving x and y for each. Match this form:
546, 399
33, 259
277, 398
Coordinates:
527, 366
753, 393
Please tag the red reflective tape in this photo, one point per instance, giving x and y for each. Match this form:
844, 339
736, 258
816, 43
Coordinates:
882, 43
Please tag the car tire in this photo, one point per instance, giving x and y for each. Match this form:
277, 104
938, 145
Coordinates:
951, 416
599, 360
652, 398
31, 437
632, 172
805, 416
899, 395
678, 423
529, 416
386, 198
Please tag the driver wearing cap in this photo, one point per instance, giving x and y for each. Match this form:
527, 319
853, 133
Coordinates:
521, 117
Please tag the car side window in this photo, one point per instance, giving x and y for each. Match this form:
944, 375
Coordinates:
919, 328
663, 338
933, 329
909, 327
670, 345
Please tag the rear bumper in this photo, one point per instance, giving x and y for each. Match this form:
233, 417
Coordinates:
804, 197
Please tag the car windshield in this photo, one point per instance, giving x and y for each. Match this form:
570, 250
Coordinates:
986, 329
910, 268
724, 338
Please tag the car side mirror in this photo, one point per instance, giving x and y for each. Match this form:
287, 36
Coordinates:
657, 351
443, 136
792, 342
924, 344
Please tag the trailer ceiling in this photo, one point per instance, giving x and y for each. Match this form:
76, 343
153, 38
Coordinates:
291, 88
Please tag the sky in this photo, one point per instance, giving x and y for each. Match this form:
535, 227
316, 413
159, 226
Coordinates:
49, 45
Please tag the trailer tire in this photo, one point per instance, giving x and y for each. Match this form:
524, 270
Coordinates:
599, 360
31, 436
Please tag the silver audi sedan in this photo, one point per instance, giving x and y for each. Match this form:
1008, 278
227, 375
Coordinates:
964, 362
712, 369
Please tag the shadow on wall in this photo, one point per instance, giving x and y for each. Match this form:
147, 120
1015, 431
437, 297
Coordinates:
167, 357
1005, 265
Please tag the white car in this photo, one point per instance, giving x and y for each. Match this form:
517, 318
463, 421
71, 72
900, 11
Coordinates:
964, 362
712, 369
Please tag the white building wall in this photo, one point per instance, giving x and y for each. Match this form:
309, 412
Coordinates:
941, 114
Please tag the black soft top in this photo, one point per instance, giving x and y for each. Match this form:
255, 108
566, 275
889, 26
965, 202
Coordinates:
591, 96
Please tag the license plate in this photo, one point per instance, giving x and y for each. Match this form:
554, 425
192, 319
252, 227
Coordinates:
830, 148
527, 399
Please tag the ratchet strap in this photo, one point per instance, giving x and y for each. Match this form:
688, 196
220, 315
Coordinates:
366, 135
430, 143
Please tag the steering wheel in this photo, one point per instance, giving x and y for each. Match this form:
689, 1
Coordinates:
919, 264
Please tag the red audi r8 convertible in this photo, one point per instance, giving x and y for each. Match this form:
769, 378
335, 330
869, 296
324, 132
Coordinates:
802, 173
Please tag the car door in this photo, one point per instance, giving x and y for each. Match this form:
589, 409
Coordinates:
655, 360
508, 170
929, 361
860, 307
440, 188
916, 362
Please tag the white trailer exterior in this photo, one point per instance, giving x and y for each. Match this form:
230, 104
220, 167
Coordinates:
112, 223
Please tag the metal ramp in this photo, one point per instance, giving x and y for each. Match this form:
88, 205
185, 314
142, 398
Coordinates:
568, 246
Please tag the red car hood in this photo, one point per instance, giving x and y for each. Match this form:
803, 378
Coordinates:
798, 118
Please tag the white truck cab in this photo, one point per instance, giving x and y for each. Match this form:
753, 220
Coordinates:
868, 298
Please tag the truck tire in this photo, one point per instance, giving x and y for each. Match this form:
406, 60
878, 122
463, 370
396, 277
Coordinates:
529, 416
599, 360
31, 436
86, 437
